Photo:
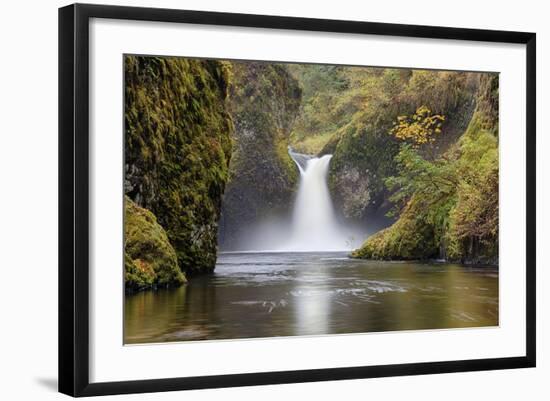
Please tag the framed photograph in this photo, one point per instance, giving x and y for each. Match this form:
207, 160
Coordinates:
249, 199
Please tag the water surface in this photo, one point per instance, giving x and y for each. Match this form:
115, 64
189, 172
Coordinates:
288, 294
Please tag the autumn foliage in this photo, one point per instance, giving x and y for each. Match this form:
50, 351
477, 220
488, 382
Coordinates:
420, 128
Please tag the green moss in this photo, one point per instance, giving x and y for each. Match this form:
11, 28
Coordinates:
288, 168
313, 144
472, 234
363, 157
137, 276
488, 101
177, 148
411, 237
149, 259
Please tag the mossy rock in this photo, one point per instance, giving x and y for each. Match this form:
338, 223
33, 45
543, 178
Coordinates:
362, 158
412, 237
472, 233
177, 149
149, 259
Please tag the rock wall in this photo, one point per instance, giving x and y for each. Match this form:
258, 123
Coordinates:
264, 101
177, 149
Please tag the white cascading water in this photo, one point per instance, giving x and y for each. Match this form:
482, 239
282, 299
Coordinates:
314, 226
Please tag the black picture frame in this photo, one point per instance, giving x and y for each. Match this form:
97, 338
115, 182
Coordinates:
74, 201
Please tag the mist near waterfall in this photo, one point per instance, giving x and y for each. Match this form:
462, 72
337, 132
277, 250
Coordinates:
312, 224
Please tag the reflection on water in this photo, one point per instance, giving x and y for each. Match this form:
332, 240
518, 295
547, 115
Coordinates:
286, 294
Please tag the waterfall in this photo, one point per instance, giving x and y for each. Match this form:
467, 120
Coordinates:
314, 226
311, 225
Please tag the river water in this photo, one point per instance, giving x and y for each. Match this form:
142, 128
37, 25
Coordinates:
254, 295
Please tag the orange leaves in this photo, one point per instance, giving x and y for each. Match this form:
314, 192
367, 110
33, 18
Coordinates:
420, 128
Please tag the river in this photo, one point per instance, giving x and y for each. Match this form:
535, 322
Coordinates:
253, 295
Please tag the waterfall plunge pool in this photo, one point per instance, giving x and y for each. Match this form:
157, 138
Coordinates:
253, 295
304, 289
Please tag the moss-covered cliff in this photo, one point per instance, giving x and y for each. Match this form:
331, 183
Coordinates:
364, 153
149, 259
264, 100
409, 238
451, 198
177, 149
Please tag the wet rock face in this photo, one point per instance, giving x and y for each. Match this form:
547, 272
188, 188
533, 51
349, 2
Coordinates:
264, 101
354, 191
177, 150
363, 157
